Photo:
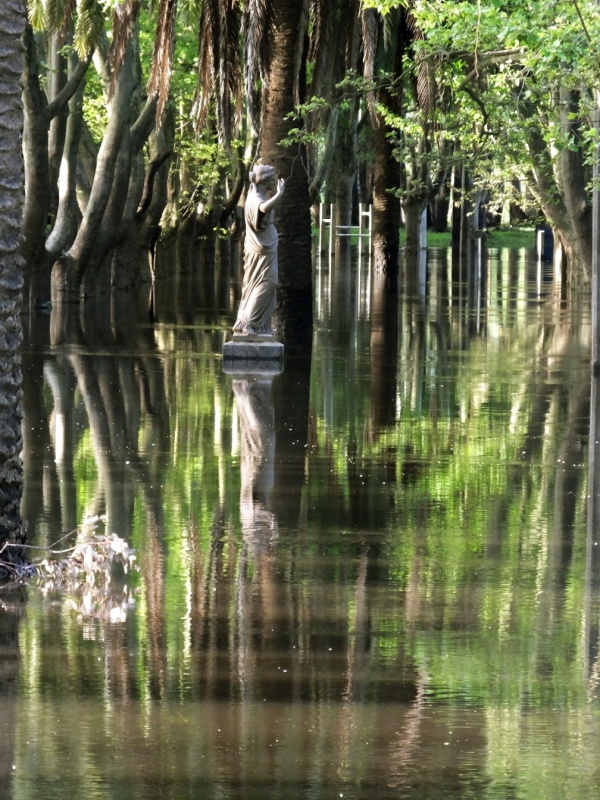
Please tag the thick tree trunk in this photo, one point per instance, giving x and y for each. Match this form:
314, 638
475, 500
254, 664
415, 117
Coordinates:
68, 215
440, 206
113, 205
561, 192
37, 169
573, 182
57, 75
46, 126
386, 206
413, 213
293, 317
12, 24
68, 272
345, 164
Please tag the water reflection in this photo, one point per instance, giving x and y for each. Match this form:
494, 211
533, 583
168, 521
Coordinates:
257, 430
373, 574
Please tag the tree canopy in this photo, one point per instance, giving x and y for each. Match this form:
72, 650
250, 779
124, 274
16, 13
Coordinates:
158, 109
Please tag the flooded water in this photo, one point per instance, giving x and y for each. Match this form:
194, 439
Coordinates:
371, 575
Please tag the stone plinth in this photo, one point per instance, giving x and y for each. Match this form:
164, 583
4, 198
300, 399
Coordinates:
253, 354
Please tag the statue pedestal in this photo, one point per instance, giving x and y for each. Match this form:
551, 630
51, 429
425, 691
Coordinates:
252, 354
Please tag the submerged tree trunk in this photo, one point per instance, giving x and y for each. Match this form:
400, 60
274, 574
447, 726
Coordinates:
293, 317
116, 208
386, 205
574, 181
413, 208
12, 23
68, 272
560, 187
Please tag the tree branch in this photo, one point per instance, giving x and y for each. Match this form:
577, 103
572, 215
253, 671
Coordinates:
66, 93
148, 189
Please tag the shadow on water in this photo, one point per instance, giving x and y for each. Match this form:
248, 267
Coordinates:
374, 574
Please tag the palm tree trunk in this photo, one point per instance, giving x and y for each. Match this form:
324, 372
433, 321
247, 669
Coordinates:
386, 206
12, 25
293, 316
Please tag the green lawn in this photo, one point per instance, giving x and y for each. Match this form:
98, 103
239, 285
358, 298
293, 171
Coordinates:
505, 237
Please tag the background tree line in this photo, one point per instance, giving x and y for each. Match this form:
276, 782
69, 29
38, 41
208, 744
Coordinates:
142, 119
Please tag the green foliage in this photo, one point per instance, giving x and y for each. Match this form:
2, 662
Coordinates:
383, 6
94, 106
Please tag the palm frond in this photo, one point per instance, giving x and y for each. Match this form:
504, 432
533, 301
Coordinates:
55, 16
56, 12
299, 54
425, 78
89, 26
36, 13
206, 62
256, 28
321, 19
230, 72
162, 56
190, 11
124, 20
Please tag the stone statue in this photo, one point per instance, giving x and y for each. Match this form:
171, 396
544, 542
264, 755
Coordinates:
261, 272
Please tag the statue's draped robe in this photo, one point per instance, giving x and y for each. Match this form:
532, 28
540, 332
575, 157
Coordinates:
261, 272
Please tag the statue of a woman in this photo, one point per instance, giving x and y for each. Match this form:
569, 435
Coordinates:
261, 272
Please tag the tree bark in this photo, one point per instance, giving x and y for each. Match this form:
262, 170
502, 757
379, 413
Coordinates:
386, 206
413, 212
37, 183
560, 190
68, 215
108, 158
12, 25
46, 126
293, 317
573, 183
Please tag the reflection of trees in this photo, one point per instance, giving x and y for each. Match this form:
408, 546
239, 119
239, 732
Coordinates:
429, 556
117, 398
13, 604
491, 406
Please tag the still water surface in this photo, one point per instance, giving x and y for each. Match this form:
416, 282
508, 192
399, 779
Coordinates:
370, 576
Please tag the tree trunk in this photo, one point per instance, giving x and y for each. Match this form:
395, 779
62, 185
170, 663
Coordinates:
37, 180
12, 24
46, 126
293, 317
573, 182
413, 212
68, 215
386, 206
440, 207
559, 187
68, 272
344, 167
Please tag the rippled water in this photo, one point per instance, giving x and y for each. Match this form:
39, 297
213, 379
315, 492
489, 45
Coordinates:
373, 575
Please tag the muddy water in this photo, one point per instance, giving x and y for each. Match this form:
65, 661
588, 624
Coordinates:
371, 575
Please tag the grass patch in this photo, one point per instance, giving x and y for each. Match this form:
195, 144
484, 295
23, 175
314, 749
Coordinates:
511, 237
433, 239
497, 237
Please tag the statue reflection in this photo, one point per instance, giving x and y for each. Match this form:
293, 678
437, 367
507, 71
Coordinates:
259, 601
257, 433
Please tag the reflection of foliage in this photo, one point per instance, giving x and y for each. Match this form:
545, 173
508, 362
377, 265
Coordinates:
87, 474
430, 545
